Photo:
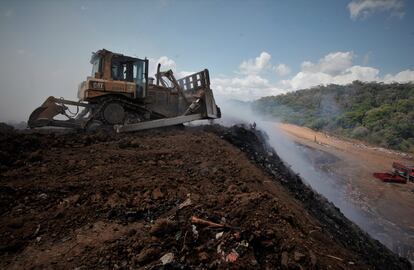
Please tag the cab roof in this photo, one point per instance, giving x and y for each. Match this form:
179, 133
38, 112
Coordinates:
104, 52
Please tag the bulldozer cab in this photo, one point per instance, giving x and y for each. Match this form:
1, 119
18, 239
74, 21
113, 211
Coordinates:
117, 67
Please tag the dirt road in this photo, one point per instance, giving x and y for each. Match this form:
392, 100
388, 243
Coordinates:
390, 206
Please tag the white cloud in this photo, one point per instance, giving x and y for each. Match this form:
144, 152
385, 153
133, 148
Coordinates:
256, 65
244, 88
282, 70
357, 73
401, 77
249, 83
338, 68
166, 64
364, 8
334, 67
331, 64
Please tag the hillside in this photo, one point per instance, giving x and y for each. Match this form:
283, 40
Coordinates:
380, 114
135, 202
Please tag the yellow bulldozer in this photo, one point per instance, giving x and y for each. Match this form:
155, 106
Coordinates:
120, 94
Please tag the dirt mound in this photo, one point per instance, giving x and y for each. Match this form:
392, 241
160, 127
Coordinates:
253, 143
176, 199
5, 128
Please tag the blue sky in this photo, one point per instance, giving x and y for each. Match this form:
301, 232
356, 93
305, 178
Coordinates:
252, 48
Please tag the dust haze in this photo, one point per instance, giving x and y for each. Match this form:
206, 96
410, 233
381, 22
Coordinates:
27, 80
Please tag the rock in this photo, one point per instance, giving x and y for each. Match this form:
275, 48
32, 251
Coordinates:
83, 163
185, 204
254, 262
72, 199
42, 196
132, 232
71, 162
204, 172
146, 254
284, 260
312, 257
35, 156
161, 162
123, 143
135, 143
126, 143
203, 256
297, 256
267, 243
167, 258
162, 226
157, 194
232, 189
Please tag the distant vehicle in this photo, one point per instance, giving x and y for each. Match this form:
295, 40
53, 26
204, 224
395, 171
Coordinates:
405, 171
121, 95
401, 174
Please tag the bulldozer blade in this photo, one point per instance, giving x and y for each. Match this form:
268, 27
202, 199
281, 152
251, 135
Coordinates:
44, 115
165, 122
212, 111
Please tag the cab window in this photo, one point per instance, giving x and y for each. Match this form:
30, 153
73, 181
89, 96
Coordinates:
122, 71
96, 66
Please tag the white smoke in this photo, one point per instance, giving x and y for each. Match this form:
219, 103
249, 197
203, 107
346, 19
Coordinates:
328, 185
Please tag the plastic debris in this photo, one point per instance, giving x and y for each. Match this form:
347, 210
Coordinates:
232, 256
244, 243
195, 232
219, 235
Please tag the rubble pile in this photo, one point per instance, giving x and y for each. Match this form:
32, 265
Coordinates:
167, 199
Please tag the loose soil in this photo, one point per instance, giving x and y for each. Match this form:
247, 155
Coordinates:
127, 201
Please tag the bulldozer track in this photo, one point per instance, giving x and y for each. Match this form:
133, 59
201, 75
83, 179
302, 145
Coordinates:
129, 106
